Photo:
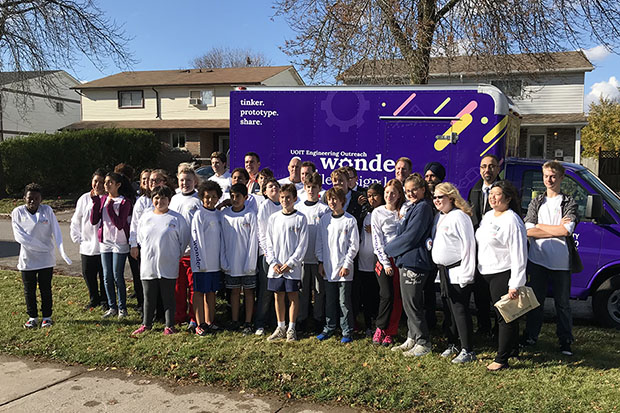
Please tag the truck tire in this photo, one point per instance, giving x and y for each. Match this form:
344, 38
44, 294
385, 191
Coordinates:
606, 302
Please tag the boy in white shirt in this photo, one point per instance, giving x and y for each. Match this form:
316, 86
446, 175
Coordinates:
286, 241
311, 280
221, 175
205, 248
239, 231
36, 229
337, 244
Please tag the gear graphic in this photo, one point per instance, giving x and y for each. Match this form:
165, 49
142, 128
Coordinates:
345, 124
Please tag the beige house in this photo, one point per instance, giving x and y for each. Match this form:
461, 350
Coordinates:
189, 109
547, 92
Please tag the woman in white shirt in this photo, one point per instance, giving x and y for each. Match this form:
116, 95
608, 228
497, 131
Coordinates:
85, 234
502, 258
454, 252
35, 228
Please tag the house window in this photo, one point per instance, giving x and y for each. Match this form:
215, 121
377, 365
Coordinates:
512, 88
202, 97
130, 99
177, 139
60, 108
536, 146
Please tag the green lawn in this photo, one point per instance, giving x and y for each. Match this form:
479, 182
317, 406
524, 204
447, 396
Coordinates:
358, 375
58, 204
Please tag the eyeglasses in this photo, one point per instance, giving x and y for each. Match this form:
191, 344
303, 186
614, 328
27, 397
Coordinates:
156, 180
488, 166
439, 196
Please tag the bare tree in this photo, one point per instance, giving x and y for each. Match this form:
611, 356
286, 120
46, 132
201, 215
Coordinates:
227, 57
333, 35
43, 35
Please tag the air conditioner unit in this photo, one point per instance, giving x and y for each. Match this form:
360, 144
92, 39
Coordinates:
195, 101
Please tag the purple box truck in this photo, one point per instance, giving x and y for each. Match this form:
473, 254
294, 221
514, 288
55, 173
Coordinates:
370, 127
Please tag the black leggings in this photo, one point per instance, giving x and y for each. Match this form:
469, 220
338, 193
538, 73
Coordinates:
44, 278
164, 288
461, 325
92, 272
369, 296
508, 333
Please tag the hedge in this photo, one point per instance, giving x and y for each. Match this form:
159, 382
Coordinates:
63, 162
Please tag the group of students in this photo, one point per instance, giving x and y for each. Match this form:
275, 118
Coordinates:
371, 251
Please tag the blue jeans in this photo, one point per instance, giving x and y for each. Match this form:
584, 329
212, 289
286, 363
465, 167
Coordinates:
538, 279
338, 305
113, 273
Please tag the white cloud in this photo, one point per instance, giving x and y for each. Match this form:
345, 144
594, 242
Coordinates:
607, 89
597, 53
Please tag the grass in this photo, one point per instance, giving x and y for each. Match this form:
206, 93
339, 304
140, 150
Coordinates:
359, 375
58, 204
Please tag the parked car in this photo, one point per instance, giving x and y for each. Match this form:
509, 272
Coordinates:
205, 172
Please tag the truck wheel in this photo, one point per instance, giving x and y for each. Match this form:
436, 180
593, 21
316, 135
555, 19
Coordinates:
606, 302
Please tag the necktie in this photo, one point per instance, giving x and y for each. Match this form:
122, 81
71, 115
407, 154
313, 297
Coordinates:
485, 199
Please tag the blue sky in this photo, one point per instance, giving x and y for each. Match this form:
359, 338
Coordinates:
169, 34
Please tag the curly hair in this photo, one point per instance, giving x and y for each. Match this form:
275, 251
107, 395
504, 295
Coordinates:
449, 190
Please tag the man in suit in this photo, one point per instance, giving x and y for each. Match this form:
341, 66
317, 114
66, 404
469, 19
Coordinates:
479, 200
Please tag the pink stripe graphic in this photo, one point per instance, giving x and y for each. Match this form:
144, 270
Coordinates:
466, 110
405, 103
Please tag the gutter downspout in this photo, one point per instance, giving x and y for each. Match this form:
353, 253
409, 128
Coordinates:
157, 104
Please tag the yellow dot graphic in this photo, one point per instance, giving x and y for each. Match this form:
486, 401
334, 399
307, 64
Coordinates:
382, 104
484, 120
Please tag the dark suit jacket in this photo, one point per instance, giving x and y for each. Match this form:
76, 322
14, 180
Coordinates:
476, 200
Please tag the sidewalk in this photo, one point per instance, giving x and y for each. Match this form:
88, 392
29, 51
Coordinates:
27, 386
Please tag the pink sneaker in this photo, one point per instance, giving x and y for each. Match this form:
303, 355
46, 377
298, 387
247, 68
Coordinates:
387, 341
169, 330
140, 330
377, 338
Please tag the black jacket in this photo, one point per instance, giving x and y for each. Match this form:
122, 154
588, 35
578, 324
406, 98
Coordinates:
476, 200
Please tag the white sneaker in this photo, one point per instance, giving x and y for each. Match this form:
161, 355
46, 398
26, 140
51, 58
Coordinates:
464, 357
279, 334
418, 350
122, 314
291, 334
110, 313
449, 351
260, 331
406, 346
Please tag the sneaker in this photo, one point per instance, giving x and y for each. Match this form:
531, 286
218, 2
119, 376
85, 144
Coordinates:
191, 327
201, 330
260, 331
377, 338
346, 339
140, 330
247, 329
464, 357
291, 335
369, 332
110, 313
324, 336
450, 351
387, 341
31, 323
279, 334
234, 325
213, 328
169, 330
122, 314
418, 350
565, 349
406, 346
47, 322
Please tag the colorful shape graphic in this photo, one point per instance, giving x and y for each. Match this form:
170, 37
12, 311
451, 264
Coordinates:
405, 103
444, 103
495, 130
484, 120
457, 126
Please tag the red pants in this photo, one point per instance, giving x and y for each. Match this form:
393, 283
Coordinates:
184, 290
397, 307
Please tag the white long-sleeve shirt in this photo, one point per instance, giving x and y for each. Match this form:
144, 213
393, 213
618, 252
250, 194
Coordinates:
162, 239
224, 181
384, 224
36, 234
337, 243
265, 210
366, 255
206, 244
240, 234
453, 241
81, 230
286, 241
114, 239
502, 246
313, 213
186, 205
143, 204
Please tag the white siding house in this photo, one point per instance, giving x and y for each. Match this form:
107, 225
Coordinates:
28, 107
189, 109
